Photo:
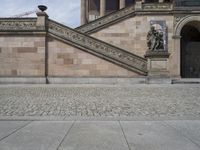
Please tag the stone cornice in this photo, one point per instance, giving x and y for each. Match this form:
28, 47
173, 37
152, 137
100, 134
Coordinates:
99, 48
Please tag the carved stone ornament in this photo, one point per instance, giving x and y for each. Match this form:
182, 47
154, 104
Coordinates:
108, 51
17, 24
156, 37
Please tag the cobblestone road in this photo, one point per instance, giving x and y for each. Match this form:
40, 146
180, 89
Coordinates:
99, 100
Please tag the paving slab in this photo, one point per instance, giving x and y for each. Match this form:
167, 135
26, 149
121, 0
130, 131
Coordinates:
95, 136
188, 128
9, 127
38, 135
154, 135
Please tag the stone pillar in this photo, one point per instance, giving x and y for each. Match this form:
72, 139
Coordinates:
42, 18
161, 1
177, 56
138, 5
83, 12
102, 8
122, 4
41, 25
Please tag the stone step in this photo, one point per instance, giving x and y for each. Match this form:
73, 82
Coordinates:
186, 81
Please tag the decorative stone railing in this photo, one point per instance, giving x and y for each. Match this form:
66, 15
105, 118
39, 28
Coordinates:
18, 24
99, 48
101, 22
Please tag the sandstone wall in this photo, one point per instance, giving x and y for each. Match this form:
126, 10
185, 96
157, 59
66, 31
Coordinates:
131, 33
22, 55
68, 61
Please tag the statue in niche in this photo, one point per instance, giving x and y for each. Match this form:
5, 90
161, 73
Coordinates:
155, 40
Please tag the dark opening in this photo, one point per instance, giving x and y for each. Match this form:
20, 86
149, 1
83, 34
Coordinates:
94, 5
129, 2
151, 1
190, 52
112, 5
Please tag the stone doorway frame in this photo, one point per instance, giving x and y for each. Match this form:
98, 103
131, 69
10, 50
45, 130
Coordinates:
177, 40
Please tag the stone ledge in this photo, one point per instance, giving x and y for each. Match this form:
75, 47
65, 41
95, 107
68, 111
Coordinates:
22, 80
158, 80
186, 81
71, 80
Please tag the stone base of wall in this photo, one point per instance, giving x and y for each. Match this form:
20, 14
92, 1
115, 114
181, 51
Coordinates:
22, 80
60, 80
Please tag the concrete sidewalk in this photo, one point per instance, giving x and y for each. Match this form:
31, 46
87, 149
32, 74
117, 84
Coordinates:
100, 135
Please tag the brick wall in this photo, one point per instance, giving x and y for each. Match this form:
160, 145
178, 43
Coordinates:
22, 55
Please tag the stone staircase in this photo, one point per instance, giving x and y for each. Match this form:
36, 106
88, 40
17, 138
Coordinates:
98, 48
107, 20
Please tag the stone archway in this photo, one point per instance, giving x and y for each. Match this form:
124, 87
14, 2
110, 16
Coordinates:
190, 50
189, 25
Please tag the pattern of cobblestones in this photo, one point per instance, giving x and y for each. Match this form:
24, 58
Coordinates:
95, 101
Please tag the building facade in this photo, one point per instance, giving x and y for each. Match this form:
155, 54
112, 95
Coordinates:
139, 41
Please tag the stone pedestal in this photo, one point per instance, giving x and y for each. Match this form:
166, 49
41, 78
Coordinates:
42, 18
158, 67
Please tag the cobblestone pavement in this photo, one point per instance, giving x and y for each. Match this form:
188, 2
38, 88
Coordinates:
100, 100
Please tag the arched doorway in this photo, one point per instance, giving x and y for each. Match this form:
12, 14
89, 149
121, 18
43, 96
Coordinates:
190, 50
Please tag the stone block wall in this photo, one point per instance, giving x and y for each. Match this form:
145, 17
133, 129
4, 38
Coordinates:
68, 61
131, 34
22, 56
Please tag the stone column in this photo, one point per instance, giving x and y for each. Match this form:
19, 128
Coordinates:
161, 1
42, 18
41, 24
177, 56
122, 4
138, 5
83, 12
102, 8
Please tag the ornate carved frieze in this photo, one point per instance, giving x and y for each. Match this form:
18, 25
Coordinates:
17, 24
106, 19
157, 6
110, 52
